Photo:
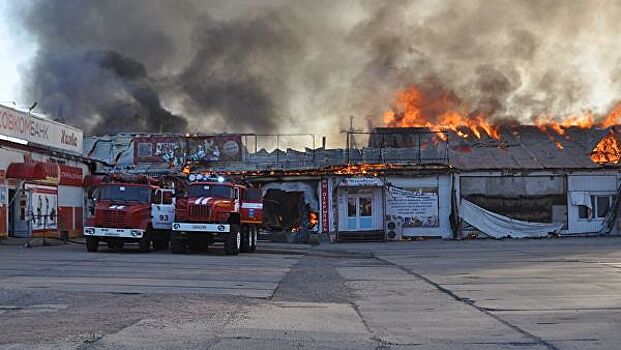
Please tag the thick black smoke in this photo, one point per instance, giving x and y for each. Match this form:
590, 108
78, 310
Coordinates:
306, 66
148, 112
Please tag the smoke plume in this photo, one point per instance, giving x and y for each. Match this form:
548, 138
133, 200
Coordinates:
306, 66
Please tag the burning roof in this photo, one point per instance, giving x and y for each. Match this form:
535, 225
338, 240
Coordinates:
420, 117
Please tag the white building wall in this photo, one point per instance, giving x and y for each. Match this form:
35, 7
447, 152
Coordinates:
593, 184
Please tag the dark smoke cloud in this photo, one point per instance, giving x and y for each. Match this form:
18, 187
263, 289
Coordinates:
300, 66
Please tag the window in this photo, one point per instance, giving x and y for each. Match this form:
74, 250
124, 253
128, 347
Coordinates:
366, 206
351, 206
584, 212
125, 193
601, 205
167, 197
253, 194
217, 191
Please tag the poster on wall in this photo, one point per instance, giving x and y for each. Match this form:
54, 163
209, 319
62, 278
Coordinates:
43, 207
215, 148
159, 149
417, 207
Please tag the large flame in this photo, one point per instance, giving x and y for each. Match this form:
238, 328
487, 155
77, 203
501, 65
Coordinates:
607, 151
437, 110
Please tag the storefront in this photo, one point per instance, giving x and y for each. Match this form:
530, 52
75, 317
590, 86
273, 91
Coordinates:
41, 172
360, 209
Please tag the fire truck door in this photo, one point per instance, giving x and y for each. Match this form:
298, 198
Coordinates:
163, 209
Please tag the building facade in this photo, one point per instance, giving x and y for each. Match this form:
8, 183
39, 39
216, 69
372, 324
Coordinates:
41, 173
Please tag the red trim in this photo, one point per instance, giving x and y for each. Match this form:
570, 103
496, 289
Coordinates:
71, 176
26, 171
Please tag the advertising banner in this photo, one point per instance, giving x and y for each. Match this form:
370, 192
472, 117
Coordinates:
159, 149
220, 148
417, 207
21, 125
43, 207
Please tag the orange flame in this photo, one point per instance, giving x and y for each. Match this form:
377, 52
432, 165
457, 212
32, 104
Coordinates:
613, 118
313, 219
607, 151
439, 109
436, 110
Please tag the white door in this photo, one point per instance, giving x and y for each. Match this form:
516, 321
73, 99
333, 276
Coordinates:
360, 212
163, 209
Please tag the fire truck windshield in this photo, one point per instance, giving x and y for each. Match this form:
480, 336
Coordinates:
115, 192
209, 190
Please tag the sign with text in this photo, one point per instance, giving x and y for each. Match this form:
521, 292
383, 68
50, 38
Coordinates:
325, 221
417, 207
21, 125
361, 182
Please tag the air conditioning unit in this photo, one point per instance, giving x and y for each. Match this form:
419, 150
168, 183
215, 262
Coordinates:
394, 228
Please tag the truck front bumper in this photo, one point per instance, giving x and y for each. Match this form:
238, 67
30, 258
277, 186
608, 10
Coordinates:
198, 227
113, 232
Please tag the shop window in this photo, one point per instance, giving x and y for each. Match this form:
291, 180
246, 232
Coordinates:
351, 206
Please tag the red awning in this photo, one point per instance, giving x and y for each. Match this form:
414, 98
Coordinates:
34, 171
26, 171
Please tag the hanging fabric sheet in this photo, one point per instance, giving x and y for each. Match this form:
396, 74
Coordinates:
581, 198
499, 226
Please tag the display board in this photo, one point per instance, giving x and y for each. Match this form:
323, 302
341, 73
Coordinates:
417, 207
43, 207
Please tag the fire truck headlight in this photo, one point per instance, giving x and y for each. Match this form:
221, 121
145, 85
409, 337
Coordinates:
136, 233
89, 231
176, 226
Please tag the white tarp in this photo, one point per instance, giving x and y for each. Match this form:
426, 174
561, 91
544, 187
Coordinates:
499, 226
581, 198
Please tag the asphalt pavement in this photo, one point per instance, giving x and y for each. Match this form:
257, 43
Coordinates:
510, 294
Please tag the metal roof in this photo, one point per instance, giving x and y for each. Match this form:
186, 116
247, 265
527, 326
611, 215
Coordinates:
520, 147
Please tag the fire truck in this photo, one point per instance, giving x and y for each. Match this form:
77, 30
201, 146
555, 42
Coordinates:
212, 209
130, 209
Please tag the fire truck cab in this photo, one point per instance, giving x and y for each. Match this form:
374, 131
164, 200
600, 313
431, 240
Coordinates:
214, 209
130, 209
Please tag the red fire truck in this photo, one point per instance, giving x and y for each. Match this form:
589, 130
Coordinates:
214, 209
130, 209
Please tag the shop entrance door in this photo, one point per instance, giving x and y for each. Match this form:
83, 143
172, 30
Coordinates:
360, 212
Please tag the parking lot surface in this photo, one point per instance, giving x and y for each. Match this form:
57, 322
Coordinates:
510, 294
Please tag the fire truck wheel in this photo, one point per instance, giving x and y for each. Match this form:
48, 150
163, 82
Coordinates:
254, 234
233, 241
177, 246
92, 244
246, 239
144, 244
